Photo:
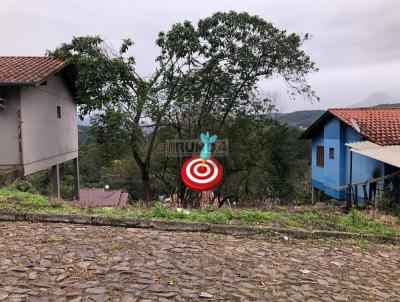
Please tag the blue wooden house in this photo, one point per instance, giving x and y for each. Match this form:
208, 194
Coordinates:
353, 146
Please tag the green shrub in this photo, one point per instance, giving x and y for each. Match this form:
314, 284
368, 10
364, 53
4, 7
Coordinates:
158, 211
356, 222
24, 186
11, 198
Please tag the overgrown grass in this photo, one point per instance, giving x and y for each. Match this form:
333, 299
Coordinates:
11, 199
24, 201
309, 218
356, 222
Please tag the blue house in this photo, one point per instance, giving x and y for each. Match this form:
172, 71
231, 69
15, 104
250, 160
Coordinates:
352, 146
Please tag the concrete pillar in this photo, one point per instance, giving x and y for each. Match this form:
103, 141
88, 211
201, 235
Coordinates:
314, 195
76, 179
56, 181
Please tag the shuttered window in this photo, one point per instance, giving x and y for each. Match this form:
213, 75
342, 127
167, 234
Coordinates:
320, 156
332, 153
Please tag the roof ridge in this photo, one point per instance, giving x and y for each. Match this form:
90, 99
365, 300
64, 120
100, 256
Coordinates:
29, 57
364, 108
20, 70
380, 125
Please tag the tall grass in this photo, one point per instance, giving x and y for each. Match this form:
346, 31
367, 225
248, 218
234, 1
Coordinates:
309, 218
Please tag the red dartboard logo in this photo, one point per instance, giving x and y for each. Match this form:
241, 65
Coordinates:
200, 176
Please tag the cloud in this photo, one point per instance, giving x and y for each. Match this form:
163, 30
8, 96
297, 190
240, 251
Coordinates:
355, 43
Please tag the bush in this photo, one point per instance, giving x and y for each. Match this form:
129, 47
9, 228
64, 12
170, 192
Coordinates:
158, 211
24, 186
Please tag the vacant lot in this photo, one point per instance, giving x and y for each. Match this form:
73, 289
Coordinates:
49, 262
318, 217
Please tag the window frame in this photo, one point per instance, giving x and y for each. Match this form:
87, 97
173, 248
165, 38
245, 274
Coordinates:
331, 153
320, 156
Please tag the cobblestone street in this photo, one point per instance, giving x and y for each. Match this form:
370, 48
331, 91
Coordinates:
60, 262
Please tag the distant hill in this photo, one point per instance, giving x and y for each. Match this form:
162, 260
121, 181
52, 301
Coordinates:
304, 118
299, 119
395, 105
376, 99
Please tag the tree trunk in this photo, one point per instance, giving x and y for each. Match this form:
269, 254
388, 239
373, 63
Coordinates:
144, 169
146, 185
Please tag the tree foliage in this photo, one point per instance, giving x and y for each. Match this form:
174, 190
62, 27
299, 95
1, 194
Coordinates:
206, 76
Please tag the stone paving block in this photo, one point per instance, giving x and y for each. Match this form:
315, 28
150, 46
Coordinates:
67, 262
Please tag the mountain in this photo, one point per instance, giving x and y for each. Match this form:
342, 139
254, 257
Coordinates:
303, 119
300, 119
393, 105
376, 99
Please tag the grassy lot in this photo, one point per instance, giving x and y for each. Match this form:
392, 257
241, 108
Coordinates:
318, 217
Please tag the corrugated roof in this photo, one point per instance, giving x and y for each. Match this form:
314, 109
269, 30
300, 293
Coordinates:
378, 125
28, 70
386, 154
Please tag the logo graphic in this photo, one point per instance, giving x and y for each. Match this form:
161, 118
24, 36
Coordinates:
192, 147
201, 176
201, 173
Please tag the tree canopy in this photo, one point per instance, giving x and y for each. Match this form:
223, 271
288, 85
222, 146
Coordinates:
206, 76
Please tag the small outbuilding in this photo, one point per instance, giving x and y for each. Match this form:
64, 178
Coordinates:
38, 117
353, 151
103, 198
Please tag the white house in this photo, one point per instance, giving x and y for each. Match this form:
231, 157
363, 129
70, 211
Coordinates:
38, 116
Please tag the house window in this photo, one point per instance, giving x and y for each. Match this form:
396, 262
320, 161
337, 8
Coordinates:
320, 156
59, 111
331, 153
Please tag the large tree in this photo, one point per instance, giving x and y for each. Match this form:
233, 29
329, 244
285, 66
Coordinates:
205, 75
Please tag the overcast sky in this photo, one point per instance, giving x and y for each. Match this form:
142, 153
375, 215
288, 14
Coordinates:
355, 44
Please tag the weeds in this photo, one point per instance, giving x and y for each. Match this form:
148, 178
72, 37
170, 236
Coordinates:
362, 243
308, 218
53, 240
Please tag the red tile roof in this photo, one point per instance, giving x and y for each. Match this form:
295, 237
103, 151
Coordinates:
378, 125
103, 198
28, 70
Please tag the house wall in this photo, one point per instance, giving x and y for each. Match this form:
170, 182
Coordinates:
47, 139
317, 173
363, 167
9, 141
332, 139
330, 177
394, 183
336, 172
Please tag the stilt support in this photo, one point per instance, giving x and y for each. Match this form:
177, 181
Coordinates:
76, 179
56, 181
314, 195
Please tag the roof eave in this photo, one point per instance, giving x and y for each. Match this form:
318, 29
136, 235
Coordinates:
307, 133
37, 83
17, 84
45, 78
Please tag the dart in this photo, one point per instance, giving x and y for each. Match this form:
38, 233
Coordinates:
201, 173
205, 153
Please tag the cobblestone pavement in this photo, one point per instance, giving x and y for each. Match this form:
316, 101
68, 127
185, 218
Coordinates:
60, 262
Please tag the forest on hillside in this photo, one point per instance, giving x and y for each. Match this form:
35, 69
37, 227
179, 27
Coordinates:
266, 161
